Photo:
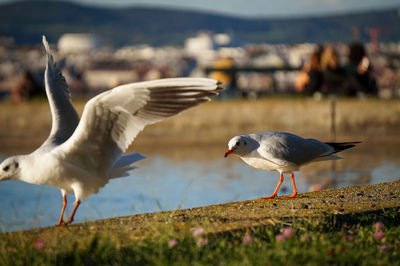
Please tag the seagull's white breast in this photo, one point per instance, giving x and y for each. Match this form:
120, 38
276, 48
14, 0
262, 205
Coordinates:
48, 168
267, 165
42, 169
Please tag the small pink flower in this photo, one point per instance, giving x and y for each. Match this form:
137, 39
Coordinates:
202, 242
287, 232
378, 226
316, 187
199, 232
383, 248
280, 238
39, 244
379, 235
172, 243
247, 239
350, 238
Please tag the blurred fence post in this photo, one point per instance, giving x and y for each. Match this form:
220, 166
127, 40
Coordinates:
333, 118
333, 134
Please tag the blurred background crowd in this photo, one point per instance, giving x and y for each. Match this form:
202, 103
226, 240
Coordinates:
253, 70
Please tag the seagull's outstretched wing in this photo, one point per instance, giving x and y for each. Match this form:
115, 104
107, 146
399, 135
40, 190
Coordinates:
64, 117
111, 120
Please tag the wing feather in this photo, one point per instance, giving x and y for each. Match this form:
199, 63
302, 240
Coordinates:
64, 117
111, 120
287, 149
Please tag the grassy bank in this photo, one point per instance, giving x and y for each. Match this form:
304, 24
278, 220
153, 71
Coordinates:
354, 225
359, 241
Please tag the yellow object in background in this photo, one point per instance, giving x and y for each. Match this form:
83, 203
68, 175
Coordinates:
224, 62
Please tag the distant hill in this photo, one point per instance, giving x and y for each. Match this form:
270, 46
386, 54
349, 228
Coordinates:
27, 21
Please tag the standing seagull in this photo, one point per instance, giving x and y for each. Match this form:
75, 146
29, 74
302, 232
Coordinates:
283, 152
81, 156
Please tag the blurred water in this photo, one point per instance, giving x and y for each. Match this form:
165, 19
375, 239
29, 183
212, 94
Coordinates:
186, 181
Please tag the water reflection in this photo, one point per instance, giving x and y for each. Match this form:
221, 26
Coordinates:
190, 176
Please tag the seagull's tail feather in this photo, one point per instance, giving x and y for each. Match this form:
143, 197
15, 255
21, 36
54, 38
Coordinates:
124, 164
327, 158
340, 146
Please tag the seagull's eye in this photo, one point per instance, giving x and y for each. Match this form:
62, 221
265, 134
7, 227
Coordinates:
237, 143
6, 168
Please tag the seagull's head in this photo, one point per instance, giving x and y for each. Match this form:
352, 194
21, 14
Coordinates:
240, 145
10, 168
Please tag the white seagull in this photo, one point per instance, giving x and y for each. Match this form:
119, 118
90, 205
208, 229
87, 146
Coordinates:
283, 152
81, 156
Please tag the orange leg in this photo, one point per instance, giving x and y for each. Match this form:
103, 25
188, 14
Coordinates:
294, 187
276, 189
60, 221
71, 218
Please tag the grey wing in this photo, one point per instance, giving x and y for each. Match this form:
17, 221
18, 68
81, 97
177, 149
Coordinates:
64, 117
288, 149
111, 120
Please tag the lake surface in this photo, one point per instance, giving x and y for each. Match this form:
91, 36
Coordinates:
188, 177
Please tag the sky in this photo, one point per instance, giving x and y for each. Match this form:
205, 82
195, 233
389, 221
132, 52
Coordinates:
253, 8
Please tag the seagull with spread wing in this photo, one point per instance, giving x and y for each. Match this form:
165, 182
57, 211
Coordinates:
80, 156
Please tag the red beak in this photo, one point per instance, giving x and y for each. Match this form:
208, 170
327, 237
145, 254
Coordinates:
228, 152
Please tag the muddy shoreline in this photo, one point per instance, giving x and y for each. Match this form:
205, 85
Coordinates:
335, 203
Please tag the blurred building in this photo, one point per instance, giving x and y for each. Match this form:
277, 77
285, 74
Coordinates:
202, 43
77, 42
102, 79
